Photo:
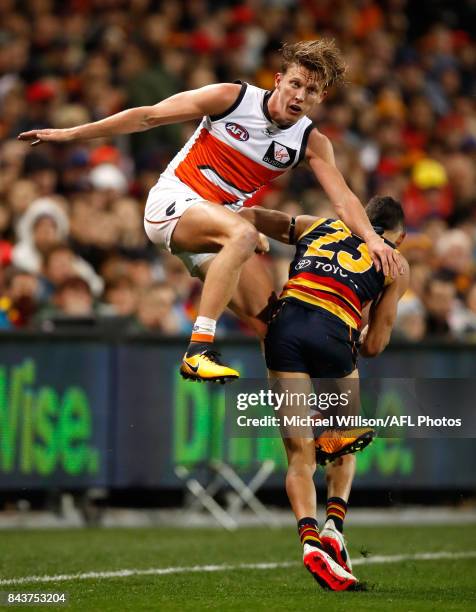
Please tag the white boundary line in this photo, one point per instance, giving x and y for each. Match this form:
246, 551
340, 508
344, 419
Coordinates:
163, 571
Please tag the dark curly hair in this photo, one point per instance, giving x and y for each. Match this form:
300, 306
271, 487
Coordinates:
385, 212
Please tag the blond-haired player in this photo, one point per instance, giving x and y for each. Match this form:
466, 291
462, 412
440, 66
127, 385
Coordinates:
247, 137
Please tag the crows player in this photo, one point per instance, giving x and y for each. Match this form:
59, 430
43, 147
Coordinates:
247, 137
315, 334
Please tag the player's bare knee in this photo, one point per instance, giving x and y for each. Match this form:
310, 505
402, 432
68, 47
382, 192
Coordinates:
304, 470
300, 461
244, 239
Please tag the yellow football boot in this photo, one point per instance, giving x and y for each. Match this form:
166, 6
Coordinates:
206, 366
333, 443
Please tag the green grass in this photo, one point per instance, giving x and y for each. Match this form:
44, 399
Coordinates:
406, 586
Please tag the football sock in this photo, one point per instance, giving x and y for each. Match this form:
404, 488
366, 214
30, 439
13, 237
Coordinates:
203, 335
336, 510
309, 533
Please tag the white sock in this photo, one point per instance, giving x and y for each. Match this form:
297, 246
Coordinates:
204, 330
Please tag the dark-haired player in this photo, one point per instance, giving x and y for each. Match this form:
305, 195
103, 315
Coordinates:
247, 137
314, 335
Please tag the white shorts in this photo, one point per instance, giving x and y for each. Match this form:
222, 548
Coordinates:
167, 202
165, 205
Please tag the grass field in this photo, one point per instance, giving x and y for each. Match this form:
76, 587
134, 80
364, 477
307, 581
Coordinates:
409, 585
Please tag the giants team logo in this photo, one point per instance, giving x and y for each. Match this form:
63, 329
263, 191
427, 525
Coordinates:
237, 131
279, 155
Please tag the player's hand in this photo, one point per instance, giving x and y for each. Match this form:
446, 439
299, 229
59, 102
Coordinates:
36, 137
384, 257
363, 335
361, 342
262, 245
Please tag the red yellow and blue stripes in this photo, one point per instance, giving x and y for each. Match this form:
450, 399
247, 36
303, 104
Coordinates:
328, 293
308, 532
336, 510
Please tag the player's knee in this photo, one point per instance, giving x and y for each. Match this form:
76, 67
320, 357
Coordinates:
301, 463
245, 238
301, 470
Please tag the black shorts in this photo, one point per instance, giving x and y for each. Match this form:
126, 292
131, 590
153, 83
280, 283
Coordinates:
302, 339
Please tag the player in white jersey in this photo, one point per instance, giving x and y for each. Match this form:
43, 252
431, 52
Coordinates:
247, 137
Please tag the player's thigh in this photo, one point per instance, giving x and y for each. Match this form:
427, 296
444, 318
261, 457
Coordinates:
206, 227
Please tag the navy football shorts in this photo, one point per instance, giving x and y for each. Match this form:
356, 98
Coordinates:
310, 340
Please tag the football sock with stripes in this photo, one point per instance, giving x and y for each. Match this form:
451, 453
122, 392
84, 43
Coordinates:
309, 533
336, 510
203, 335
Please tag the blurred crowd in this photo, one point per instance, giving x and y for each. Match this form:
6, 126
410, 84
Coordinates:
72, 244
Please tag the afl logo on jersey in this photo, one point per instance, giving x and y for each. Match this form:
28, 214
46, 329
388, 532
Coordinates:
237, 131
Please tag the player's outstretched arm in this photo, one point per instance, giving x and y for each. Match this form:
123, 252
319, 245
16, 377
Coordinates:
184, 106
320, 156
382, 316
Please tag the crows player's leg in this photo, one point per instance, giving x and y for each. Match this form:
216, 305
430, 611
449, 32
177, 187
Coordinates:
340, 474
339, 477
300, 487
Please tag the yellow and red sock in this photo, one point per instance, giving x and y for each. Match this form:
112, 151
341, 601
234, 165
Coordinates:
308, 532
336, 510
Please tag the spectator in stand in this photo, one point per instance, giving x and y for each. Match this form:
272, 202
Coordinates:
121, 295
72, 299
454, 253
440, 302
141, 272
5, 237
61, 263
58, 265
156, 312
41, 170
41, 227
428, 193
410, 324
20, 300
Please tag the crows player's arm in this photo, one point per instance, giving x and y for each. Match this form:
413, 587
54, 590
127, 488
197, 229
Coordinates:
277, 224
184, 106
382, 315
